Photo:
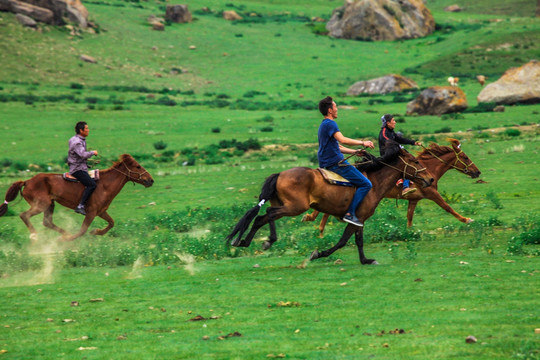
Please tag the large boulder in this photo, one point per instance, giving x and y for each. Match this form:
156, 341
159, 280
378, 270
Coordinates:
25, 20
520, 84
56, 12
383, 85
178, 14
381, 20
438, 100
35, 12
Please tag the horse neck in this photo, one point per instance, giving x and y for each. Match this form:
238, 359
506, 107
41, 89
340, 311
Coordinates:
437, 167
112, 180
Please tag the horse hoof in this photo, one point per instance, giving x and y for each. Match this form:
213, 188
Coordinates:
266, 245
34, 237
314, 255
236, 242
369, 262
469, 220
375, 262
306, 218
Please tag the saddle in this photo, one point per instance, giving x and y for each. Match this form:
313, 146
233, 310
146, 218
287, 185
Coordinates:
333, 178
94, 174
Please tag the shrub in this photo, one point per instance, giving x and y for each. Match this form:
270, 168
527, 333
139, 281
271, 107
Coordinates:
267, 129
76, 86
512, 132
160, 145
216, 130
443, 130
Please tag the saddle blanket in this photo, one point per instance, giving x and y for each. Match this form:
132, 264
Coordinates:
94, 174
333, 178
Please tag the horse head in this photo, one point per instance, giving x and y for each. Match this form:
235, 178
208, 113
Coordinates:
413, 170
128, 166
463, 163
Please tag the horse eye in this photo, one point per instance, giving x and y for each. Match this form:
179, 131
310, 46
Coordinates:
138, 167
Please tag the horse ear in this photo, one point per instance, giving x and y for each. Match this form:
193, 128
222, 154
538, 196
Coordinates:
454, 142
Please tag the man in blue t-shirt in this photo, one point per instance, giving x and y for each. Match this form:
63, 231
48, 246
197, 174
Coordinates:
331, 153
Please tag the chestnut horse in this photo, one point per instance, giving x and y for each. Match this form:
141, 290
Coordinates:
43, 190
438, 160
294, 191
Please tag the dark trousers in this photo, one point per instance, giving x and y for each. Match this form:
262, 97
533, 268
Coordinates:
362, 183
88, 182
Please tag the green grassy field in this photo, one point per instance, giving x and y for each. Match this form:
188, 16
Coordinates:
258, 81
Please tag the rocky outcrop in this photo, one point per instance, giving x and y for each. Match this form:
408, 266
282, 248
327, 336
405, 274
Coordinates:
383, 85
54, 12
520, 84
438, 100
453, 8
178, 14
381, 20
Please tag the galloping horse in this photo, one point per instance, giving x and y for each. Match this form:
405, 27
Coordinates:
438, 160
43, 190
294, 191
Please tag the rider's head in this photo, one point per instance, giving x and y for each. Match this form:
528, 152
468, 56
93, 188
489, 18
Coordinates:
325, 105
386, 119
80, 127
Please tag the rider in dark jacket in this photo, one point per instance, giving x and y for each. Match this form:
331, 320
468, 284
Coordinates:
387, 133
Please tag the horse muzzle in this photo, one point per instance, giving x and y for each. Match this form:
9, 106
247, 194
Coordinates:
148, 182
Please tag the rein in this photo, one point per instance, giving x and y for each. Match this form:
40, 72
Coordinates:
129, 171
458, 160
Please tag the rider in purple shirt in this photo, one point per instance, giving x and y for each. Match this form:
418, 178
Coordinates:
331, 153
77, 156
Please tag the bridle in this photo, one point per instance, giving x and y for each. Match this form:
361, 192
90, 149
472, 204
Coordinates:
129, 172
413, 176
465, 168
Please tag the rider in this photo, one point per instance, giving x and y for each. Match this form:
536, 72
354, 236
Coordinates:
77, 156
331, 152
387, 133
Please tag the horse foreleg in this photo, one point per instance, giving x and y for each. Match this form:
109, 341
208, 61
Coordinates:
349, 230
48, 222
323, 224
359, 239
110, 224
410, 211
84, 227
310, 217
437, 198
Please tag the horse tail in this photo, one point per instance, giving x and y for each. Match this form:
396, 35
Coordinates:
268, 192
11, 194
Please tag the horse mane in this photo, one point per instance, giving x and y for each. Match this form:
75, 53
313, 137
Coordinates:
124, 157
436, 149
373, 163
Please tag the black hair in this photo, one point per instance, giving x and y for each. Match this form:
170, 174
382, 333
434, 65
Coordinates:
80, 126
325, 104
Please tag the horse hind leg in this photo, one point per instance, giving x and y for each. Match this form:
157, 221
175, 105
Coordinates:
48, 222
273, 236
272, 214
110, 224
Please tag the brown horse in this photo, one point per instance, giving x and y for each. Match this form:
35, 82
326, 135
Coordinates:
294, 191
43, 190
438, 160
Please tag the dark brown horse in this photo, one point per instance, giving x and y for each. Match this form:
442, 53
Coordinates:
294, 191
438, 160
43, 190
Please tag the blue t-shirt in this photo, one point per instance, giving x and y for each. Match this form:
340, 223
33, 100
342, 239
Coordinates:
328, 153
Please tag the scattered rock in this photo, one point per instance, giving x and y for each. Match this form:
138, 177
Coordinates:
520, 84
498, 108
192, 47
231, 15
382, 85
438, 100
74, 303
381, 20
156, 25
453, 8
88, 59
178, 14
470, 339
481, 79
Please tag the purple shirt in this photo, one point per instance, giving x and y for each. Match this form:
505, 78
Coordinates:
77, 154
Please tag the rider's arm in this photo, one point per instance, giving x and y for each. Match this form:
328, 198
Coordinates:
352, 142
346, 150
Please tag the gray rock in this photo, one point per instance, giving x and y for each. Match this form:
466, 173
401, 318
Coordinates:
382, 85
520, 84
178, 14
381, 20
438, 100
26, 20
88, 58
